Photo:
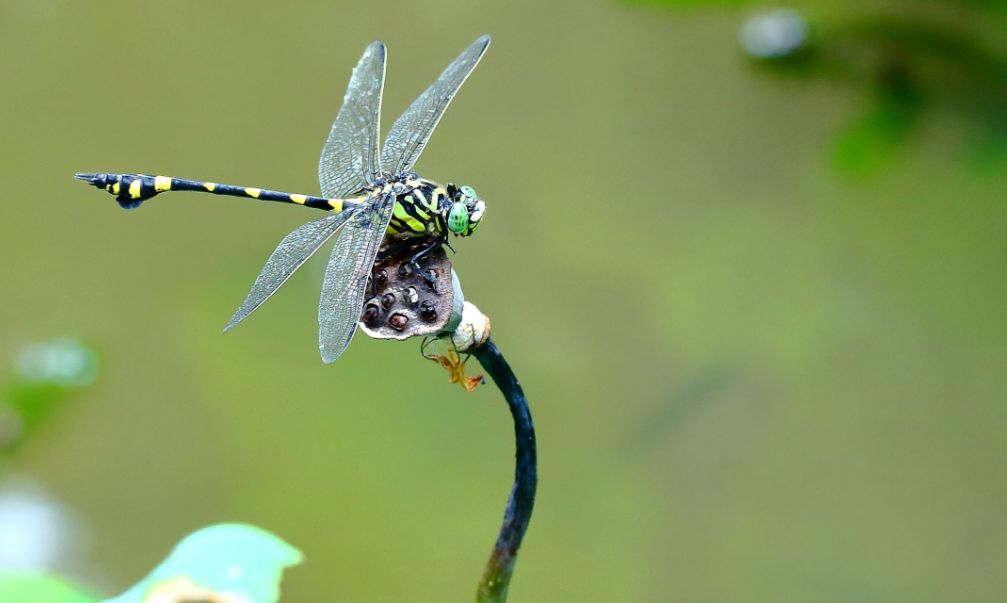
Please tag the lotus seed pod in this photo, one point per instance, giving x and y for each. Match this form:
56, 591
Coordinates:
406, 299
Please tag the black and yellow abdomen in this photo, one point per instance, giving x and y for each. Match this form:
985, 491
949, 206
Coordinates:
420, 210
130, 190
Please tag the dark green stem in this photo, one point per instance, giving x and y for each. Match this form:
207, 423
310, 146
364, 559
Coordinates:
500, 567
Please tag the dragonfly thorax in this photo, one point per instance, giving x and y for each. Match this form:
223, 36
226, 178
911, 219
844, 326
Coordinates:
428, 209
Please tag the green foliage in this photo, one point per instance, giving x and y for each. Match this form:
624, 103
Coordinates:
946, 57
872, 140
913, 67
220, 562
46, 374
33, 588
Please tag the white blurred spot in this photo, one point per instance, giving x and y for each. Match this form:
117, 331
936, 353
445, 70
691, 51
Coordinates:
65, 362
34, 531
774, 33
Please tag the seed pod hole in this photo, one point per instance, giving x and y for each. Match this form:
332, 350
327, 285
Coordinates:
400, 301
428, 311
371, 314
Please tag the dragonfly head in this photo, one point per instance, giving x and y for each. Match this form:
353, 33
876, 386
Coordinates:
466, 210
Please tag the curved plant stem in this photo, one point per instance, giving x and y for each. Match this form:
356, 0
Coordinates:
500, 567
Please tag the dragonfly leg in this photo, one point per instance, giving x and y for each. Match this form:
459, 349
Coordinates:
427, 342
415, 260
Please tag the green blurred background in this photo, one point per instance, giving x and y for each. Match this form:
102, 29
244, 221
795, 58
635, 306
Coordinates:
757, 305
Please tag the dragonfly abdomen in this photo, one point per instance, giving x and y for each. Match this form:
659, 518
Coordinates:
130, 190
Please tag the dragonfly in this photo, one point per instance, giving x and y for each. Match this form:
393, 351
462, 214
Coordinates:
373, 198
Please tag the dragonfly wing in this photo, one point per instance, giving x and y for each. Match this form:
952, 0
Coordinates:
349, 160
289, 255
412, 130
346, 276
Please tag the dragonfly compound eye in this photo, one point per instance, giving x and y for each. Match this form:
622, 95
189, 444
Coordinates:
458, 218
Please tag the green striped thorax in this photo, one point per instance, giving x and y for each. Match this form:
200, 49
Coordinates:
466, 210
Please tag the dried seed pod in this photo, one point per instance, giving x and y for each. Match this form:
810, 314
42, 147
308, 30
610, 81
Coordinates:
406, 299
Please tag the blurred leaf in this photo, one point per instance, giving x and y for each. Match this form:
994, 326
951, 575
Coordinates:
33, 588
46, 373
953, 55
225, 563
881, 131
941, 52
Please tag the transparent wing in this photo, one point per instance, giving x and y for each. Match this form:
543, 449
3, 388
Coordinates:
289, 255
412, 130
350, 156
346, 276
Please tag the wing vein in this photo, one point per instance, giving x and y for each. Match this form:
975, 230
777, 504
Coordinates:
346, 276
409, 134
351, 155
293, 251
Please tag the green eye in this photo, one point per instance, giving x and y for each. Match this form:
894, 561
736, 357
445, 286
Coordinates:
468, 191
458, 218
